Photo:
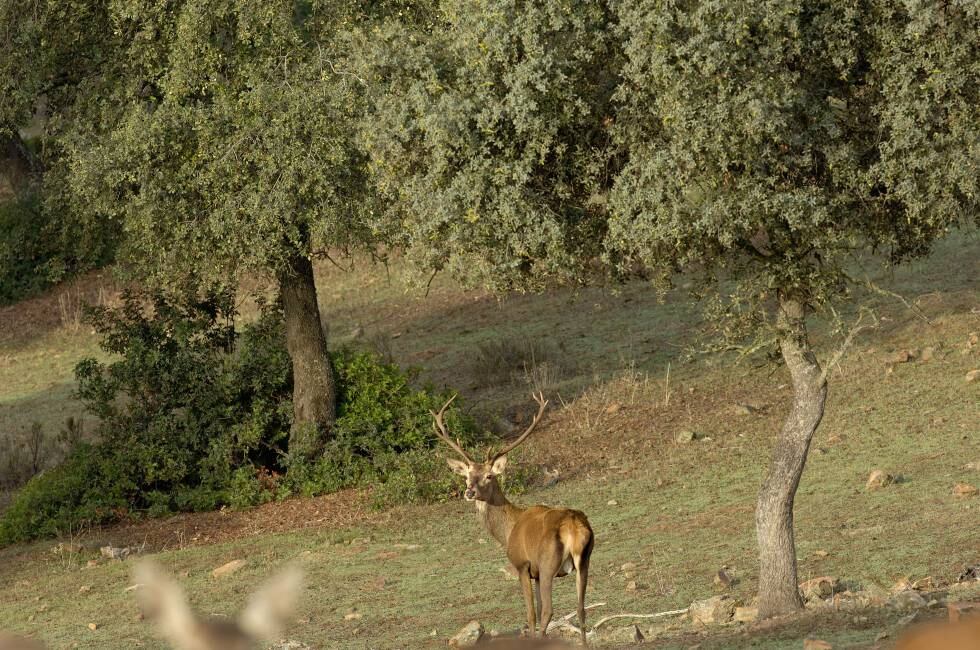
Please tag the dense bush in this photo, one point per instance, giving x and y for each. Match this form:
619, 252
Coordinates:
24, 249
195, 415
39, 247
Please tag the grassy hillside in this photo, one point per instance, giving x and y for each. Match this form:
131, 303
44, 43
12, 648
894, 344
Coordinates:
678, 511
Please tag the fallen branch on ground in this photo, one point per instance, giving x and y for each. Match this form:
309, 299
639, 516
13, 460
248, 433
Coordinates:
674, 612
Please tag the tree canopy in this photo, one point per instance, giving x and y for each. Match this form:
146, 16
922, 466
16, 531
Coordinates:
769, 144
489, 139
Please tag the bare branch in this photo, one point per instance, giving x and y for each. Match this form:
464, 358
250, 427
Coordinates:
858, 327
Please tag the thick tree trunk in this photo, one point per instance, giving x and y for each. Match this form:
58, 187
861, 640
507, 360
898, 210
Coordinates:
314, 392
778, 590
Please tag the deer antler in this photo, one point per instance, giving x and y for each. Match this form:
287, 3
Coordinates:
440, 429
542, 405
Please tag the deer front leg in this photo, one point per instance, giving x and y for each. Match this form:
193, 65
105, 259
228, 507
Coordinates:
525, 574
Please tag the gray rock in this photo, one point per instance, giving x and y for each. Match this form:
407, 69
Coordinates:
906, 600
469, 636
685, 436
628, 634
746, 614
878, 479
713, 611
288, 644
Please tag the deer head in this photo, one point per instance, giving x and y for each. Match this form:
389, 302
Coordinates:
163, 600
481, 478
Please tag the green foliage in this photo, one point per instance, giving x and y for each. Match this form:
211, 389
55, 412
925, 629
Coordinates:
489, 136
39, 247
84, 490
195, 415
230, 146
383, 436
774, 140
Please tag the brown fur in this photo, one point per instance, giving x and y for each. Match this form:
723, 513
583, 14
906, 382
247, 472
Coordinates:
963, 635
9, 642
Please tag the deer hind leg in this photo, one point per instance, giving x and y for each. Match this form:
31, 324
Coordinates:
546, 582
537, 596
525, 575
581, 582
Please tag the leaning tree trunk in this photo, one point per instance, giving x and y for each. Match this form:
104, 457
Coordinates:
778, 589
314, 392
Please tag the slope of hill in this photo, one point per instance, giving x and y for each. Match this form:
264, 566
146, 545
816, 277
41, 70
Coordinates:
410, 577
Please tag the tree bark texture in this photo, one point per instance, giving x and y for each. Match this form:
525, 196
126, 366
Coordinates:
778, 587
314, 389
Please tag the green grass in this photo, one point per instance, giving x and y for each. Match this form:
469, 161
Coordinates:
682, 511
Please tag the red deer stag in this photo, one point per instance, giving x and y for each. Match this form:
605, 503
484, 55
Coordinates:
542, 543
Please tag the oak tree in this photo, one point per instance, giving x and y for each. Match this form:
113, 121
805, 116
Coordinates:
764, 143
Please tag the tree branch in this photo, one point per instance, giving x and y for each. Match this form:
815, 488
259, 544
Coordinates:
858, 327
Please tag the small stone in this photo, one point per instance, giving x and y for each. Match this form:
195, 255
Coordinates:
723, 579
84, 589
228, 568
881, 636
907, 600
964, 490
969, 574
902, 584
471, 633
93, 626
550, 477
901, 356
820, 554
686, 435
620, 635
744, 409
746, 614
631, 585
91, 563
816, 644
628, 566
613, 408
612, 502
712, 611
928, 354
115, 553
288, 644
972, 376
353, 616
878, 479
818, 588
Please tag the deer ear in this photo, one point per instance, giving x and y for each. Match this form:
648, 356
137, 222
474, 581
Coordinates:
499, 466
458, 466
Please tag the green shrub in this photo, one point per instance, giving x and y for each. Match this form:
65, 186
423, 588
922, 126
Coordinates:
195, 415
383, 436
78, 492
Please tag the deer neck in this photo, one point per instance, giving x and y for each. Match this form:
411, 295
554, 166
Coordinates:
498, 517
